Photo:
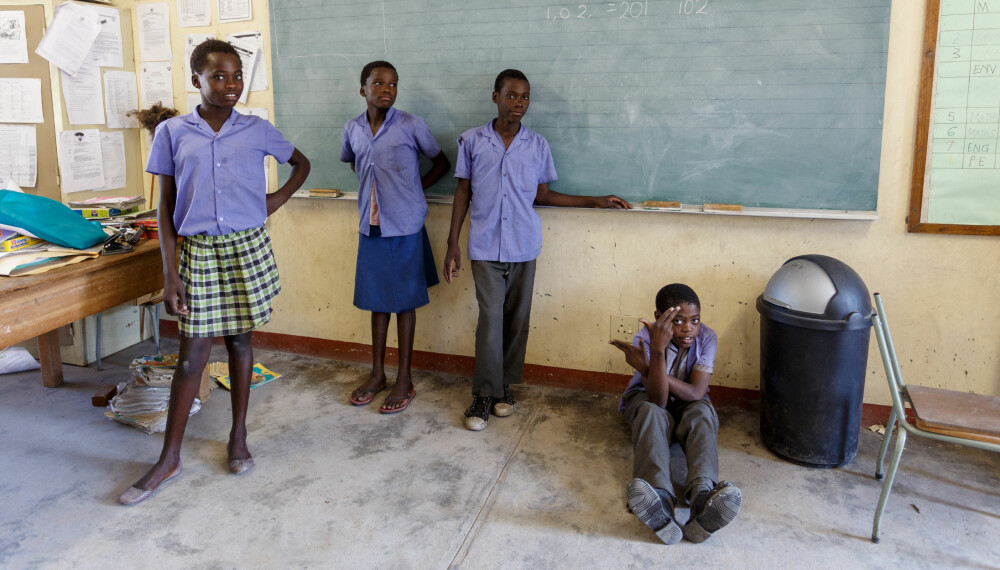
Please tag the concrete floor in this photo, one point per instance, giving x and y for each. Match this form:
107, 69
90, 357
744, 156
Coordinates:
343, 487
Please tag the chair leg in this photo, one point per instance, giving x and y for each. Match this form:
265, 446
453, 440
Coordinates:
887, 484
154, 315
99, 367
889, 426
156, 327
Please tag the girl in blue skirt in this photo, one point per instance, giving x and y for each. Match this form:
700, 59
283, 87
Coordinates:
213, 193
395, 266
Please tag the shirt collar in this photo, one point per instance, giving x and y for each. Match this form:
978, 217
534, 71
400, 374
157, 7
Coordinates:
362, 120
235, 118
494, 136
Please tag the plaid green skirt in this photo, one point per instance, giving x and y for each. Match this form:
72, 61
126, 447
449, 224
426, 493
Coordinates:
229, 281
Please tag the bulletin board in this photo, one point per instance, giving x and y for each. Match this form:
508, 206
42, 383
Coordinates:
133, 153
955, 187
46, 184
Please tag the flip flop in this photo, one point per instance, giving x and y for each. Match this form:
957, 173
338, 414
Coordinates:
392, 400
366, 397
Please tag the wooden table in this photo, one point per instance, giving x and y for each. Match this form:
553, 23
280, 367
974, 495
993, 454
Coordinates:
37, 305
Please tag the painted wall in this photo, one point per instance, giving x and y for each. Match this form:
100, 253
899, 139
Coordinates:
940, 291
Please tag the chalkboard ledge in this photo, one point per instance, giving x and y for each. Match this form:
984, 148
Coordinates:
858, 215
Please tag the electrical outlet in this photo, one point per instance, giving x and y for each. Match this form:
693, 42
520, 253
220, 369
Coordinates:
624, 327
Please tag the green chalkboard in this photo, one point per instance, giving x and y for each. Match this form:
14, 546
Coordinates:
762, 103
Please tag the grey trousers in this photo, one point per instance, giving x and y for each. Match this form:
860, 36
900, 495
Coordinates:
504, 291
694, 425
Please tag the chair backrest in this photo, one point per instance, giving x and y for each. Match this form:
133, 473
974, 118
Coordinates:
889, 361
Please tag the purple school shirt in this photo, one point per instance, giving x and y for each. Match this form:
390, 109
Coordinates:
701, 356
390, 159
503, 225
219, 177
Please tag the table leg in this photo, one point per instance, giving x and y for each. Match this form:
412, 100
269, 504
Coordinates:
51, 359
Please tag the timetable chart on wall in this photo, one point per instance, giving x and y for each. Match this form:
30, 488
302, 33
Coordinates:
964, 177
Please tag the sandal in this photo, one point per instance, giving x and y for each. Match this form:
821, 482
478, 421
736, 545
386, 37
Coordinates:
393, 399
366, 396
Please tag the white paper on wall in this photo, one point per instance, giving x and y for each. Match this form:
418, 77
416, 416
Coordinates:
154, 32
21, 100
70, 37
13, 39
121, 95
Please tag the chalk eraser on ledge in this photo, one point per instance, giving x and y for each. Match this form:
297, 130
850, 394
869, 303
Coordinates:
661, 204
325, 192
723, 208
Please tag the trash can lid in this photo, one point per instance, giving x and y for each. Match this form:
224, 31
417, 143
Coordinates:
818, 285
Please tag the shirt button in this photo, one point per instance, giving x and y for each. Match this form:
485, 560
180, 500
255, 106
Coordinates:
218, 164
220, 218
220, 192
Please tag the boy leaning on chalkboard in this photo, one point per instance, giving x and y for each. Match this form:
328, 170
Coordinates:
667, 401
504, 168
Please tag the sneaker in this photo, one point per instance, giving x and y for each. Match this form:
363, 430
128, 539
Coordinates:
647, 504
712, 510
478, 413
505, 407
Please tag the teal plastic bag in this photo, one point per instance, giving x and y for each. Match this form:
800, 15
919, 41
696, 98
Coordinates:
50, 220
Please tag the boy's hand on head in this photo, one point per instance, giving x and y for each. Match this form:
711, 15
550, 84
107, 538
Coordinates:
612, 201
635, 356
661, 331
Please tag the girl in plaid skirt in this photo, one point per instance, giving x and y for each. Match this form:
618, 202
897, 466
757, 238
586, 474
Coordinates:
213, 193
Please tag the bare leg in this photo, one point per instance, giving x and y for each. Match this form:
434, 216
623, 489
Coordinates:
194, 353
406, 324
376, 381
240, 349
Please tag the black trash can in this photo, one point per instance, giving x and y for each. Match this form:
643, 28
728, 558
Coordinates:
816, 318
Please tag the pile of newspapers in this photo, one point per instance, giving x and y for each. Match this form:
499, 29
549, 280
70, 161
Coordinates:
143, 399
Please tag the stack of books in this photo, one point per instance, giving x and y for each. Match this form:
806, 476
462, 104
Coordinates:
150, 228
142, 401
27, 255
13, 241
107, 207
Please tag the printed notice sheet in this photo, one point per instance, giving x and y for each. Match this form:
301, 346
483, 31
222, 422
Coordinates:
82, 94
157, 84
13, 42
257, 81
191, 41
234, 10
113, 155
192, 13
80, 160
154, 32
120, 97
67, 42
107, 51
18, 154
21, 100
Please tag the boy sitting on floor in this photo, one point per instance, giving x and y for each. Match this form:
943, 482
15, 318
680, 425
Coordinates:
667, 401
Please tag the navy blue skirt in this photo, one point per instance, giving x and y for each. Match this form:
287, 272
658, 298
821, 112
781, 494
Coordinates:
393, 273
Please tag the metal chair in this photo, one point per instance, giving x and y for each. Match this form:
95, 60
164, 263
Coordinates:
945, 415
